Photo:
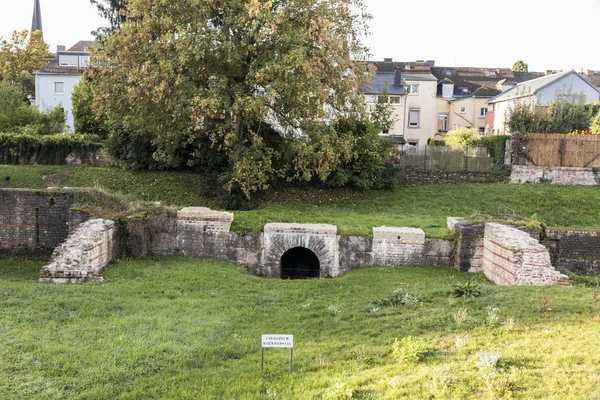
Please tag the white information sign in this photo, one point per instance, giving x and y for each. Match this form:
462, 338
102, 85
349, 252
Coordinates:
281, 341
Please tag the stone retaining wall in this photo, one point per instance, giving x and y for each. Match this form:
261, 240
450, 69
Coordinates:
577, 250
512, 257
398, 246
555, 175
33, 222
84, 255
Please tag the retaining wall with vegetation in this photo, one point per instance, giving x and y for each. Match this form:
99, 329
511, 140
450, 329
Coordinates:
555, 175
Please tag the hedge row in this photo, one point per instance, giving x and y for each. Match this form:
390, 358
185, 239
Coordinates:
48, 150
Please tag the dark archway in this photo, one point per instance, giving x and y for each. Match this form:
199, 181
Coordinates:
300, 263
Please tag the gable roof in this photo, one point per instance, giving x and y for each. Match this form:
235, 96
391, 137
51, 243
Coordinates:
479, 82
535, 85
84, 45
379, 85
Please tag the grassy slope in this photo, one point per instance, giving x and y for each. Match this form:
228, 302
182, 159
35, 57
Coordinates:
190, 329
417, 206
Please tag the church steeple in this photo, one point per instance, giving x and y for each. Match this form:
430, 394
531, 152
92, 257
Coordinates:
36, 23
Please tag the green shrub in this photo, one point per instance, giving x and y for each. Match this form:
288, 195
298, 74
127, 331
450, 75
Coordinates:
461, 137
409, 350
468, 289
49, 149
596, 125
85, 121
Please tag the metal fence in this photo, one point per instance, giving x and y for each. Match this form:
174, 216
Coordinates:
449, 159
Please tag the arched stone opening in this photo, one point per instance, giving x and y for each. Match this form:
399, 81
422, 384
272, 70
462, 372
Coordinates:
300, 263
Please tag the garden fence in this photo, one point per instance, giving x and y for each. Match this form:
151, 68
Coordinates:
449, 159
559, 150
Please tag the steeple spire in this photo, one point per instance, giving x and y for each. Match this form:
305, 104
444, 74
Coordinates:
36, 23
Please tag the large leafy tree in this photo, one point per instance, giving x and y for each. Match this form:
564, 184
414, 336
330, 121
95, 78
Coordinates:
520, 66
111, 10
231, 81
20, 56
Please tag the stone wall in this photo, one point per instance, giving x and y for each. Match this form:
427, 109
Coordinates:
398, 246
83, 256
321, 239
577, 250
417, 177
469, 246
33, 222
202, 232
555, 175
513, 257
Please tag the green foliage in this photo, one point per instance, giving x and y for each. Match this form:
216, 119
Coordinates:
467, 290
496, 146
568, 112
398, 298
524, 116
595, 127
224, 74
409, 350
20, 56
49, 150
462, 137
383, 114
520, 66
18, 116
85, 121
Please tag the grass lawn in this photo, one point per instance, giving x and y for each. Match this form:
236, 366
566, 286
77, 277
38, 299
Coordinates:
423, 207
172, 328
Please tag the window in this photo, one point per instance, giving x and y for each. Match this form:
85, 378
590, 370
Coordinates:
412, 146
386, 99
463, 110
84, 61
442, 122
371, 99
413, 117
59, 87
482, 112
482, 130
413, 90
447, 90
68, 60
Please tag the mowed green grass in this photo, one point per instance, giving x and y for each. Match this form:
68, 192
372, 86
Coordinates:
172, 328
354, 213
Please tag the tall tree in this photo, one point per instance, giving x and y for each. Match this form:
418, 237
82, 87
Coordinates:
520, 66
20, 57
195, 75
111, 10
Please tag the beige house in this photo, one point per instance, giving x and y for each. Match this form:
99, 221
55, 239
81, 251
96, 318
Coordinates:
411, 89
463, 93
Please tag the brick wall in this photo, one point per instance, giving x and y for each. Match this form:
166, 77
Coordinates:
33, 222
398, 246
513, 257
575, 249
202, 232
554, 175
469, 247
83, 256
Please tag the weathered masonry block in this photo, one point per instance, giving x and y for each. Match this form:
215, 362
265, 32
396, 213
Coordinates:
202, 232
321, 239
577, 250
84, 255
398, 246
554, 175
33, 222
513, 257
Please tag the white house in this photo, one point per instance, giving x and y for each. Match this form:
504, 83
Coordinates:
543, 91
54, 83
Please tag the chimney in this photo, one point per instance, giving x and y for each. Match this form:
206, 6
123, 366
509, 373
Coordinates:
590, 72
61, 48
388, 60
431, 63
398, 78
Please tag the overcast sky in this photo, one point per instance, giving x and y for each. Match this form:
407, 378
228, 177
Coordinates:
547, 34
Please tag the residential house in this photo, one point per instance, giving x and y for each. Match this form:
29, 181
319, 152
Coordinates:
542, 90
463, 93
410, 88
54, 83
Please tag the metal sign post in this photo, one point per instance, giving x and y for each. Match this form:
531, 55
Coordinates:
278, 341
